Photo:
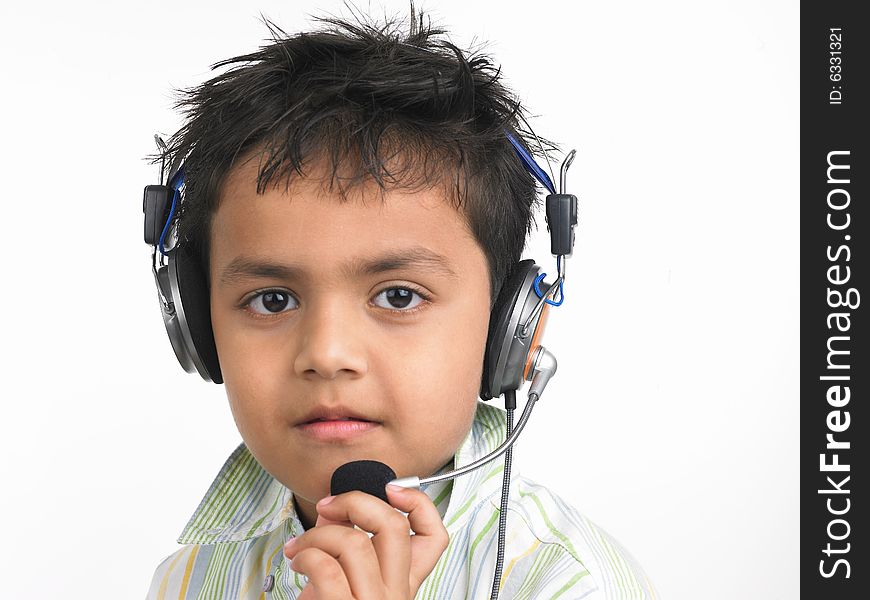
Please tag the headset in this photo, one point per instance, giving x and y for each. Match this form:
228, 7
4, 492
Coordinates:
517, 319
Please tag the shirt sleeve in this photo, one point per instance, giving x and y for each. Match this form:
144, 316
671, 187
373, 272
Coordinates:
172, 576
576, 558
620, 575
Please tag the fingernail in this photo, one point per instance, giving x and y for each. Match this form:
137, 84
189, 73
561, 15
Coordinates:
325, 501
289, 543
394, 488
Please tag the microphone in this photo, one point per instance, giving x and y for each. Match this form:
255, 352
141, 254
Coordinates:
371, 476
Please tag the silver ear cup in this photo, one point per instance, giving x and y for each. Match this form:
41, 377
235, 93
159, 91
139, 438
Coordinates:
515, 347
171, 320
172, 309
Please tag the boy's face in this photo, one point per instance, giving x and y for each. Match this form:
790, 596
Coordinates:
310, 309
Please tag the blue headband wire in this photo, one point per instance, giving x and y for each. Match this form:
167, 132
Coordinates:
541, 294
530, 163
541, 176
175, 184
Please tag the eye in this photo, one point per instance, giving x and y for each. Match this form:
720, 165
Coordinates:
271, 302
400, 299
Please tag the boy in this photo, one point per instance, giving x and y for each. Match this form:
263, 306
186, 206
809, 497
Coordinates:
356, 208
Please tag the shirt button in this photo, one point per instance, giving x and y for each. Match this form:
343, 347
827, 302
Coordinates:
269, 583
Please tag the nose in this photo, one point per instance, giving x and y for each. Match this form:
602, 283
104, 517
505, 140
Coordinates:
331, 342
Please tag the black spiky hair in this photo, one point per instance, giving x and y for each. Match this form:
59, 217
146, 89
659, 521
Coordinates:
405, 110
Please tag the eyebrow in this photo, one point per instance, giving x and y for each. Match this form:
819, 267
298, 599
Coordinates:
245, 267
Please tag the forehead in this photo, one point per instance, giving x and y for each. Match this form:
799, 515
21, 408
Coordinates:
365, 233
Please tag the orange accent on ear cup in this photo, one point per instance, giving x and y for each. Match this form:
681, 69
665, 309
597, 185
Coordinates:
539, 329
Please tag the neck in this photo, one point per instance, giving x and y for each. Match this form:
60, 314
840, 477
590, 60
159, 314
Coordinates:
306, 511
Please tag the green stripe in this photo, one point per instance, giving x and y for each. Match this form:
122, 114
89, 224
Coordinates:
259, 521
618, 566
480, 535
541, 560
245, 498
570, 583
433, 582
444, 493
549, 523
229, 499
461, 510
217, 569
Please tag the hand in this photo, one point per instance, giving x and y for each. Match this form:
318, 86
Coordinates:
342, 563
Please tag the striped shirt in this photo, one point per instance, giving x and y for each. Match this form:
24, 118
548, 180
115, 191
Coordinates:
233, 542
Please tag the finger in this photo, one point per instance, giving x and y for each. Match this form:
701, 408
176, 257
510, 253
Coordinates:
353, 552
321, 520
323, 572
430, 537
392, 533
308, 593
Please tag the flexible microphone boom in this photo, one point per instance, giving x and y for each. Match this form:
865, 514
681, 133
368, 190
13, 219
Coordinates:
544, 368
371, 476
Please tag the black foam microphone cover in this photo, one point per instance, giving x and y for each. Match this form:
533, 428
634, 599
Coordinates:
369, 476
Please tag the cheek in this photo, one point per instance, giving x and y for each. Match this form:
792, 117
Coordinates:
250, 376
466, 344
449, 355
470, 339
248, 362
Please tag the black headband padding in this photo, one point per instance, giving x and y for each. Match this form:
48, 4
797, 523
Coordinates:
193, 286
499, 320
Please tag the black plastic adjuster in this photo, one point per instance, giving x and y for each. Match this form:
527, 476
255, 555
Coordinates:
561, 219
155, 203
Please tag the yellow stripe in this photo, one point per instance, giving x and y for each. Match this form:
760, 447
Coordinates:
650, 587
263, 594
161, 592
187, 569
513, 562
258, 571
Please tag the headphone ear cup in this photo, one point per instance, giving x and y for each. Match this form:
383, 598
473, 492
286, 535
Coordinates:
506, 353
171, 321
193, 334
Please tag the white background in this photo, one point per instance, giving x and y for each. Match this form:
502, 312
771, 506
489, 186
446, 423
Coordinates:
676, 403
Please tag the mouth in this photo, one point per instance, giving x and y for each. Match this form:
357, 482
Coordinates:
323, 413
324, 419
342, 429
336, 424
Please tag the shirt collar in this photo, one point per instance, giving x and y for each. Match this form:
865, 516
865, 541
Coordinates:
244, 501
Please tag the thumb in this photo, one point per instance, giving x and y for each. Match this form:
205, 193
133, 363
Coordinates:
430, 538
308, 593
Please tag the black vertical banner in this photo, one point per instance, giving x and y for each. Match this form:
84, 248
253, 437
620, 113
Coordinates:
835, 298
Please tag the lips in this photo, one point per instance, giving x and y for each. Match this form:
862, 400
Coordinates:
337, 431
334, 413
340, 419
